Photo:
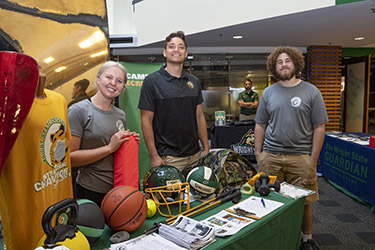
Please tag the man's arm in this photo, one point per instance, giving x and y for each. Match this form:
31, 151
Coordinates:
248, 105
318, 139
259, 131
202, 129
148, 135
240, 101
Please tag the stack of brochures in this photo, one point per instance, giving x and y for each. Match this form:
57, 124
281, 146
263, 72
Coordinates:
188, 233
183, 233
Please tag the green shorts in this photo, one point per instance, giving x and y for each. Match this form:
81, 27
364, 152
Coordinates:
299, 170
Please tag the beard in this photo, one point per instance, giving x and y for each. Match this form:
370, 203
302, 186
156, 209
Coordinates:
285, 76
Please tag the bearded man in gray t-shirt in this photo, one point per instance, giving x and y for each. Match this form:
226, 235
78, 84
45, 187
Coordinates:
289, 130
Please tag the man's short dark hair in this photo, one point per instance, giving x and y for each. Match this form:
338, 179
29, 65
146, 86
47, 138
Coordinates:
84, 83
179, 34
248, 80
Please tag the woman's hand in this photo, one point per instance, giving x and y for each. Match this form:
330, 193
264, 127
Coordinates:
136, 136
118, 138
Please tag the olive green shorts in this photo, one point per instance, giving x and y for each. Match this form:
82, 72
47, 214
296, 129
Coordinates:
299, 170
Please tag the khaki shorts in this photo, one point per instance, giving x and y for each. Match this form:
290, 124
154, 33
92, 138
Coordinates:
184, 164
299, 170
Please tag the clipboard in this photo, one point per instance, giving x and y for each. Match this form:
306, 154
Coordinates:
255, 207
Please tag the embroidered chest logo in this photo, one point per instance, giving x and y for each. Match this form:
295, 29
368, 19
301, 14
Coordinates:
54, 150
190, 85
296, 101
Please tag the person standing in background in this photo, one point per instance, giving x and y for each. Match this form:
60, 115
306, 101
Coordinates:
78, 94
171, 110
79, 91
98, 130
248, 101
290, 130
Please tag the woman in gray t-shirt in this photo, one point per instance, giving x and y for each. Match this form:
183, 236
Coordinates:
98, 129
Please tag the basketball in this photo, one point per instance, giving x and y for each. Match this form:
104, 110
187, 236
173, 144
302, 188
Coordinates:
124, 208
203, 182
90, 220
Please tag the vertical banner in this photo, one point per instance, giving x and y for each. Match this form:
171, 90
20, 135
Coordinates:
128, 102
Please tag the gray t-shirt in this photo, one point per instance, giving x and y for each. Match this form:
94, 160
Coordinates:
95, 127
290, 114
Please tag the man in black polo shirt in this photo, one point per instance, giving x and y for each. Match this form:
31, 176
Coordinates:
248, 101
171, 110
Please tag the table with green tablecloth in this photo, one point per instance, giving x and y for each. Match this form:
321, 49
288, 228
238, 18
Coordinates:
277, 230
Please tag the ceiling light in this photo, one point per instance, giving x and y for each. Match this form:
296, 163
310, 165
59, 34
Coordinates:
359, 38
94, 38
237, 37
59, 69
99, 53
49, 59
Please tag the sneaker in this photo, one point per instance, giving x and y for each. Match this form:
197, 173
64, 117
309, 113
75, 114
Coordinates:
308, 245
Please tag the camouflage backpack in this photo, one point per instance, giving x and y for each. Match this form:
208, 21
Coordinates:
232, 168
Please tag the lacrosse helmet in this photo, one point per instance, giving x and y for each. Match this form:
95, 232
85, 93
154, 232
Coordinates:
166, 186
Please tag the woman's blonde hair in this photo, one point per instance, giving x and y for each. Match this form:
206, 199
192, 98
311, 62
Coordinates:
111, 64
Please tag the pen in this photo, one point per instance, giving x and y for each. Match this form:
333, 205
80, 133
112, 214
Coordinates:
263, 203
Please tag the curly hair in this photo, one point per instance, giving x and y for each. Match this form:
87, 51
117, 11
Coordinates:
179, 34
295, 55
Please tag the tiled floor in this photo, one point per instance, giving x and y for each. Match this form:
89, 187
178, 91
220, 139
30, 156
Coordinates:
340, 222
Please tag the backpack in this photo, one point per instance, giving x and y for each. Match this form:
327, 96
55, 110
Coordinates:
232, 168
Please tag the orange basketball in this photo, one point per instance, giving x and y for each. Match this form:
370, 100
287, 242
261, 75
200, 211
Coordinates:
124, 208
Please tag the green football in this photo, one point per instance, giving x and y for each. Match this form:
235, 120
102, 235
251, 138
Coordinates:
203, 182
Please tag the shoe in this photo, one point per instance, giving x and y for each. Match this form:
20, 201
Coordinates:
308, 245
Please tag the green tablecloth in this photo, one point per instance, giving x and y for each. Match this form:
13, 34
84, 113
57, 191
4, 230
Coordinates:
278, 230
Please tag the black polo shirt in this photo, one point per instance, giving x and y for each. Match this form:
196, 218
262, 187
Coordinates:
174, 102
